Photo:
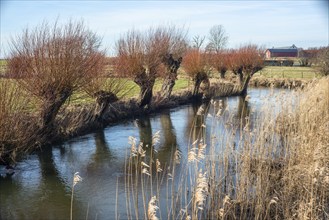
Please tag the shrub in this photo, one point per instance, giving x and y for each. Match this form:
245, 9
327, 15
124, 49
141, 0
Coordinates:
245, 62
50, 62
323, 61
16, 131
195, 63
144, 56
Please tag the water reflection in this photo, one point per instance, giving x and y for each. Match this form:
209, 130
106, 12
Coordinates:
53, 192
196, 116
243, 111
102, 156
36, 191
145, 131
169, 140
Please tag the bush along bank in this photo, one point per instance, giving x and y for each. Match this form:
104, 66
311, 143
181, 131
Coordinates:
285, 83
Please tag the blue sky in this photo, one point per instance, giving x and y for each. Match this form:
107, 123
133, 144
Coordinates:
268, 23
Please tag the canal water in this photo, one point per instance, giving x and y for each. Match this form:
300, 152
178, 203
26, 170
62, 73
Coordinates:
41, 186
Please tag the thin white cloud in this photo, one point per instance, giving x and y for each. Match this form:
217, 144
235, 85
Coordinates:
263, 22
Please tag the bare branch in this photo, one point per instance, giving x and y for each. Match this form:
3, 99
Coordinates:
52, 62
217, 39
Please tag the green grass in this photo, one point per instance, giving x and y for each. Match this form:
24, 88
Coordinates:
130, 90
180, 84
288, 72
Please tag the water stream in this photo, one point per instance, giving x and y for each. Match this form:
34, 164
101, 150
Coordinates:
41, 186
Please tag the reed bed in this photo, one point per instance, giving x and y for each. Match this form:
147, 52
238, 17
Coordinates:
261, 81
274, 165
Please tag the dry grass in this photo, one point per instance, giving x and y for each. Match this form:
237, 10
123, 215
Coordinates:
276, 167
288, 83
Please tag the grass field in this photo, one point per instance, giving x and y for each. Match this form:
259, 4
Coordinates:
288, 72
130, 90
268, 71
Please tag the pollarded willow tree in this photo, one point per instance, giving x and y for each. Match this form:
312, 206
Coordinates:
218, 39
175, 47
51, 62
105, 88
195, 64
245, 62
144, 56
220, 62
136, 58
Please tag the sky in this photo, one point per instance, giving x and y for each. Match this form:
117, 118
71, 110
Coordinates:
268, 23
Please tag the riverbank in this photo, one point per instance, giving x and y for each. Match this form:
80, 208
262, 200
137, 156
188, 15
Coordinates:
78, 120
75, 120
286, 83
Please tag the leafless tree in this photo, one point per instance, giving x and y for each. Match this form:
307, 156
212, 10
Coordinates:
175, 45
51, 62
307, 57
219, 61
138, 60
195, 64
105, 89
146, 56
323, 61
245, 62
217, 39
198, 41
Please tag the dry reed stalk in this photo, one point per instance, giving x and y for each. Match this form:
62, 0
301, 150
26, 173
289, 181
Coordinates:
76, 179
152, 208
276, 167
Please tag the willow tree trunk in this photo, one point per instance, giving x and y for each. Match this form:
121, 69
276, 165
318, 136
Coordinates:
244, 85
146, 83
170, 79
168, 85
145, 96
222, 72
49, 111
197, 84
205, 87
103, 100
50, 108
201, 77
241, 81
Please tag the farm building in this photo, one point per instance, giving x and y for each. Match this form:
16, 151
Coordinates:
291, 51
